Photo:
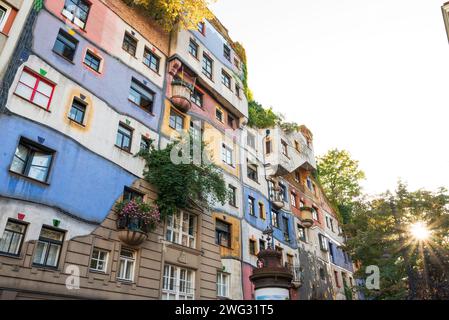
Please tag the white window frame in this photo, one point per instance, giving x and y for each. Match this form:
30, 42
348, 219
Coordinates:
127, 260
105, 261
223, 284
176, 231
172, 283
315, 214
5, 16
227, 155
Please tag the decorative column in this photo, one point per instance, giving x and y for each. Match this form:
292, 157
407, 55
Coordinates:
271, 279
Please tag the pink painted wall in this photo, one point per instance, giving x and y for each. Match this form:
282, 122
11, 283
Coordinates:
248, 287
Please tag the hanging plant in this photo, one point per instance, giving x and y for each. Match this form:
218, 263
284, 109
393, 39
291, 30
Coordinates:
137, 215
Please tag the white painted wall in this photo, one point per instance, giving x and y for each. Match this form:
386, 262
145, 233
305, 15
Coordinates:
234, 268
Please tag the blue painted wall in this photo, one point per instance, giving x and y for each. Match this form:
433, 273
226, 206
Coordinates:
338, 257
255, 221
81, 183
279, 232
111, 86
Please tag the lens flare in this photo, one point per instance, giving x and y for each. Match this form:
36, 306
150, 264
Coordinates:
420, 231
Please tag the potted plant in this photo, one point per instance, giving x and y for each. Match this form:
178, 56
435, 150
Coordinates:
135, 220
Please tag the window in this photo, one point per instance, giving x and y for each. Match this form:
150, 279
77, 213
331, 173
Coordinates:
275, 219
202, 28
196, 131
323, 242
285, 225
314, 214
207, 66
251, 140
65, 45
252, 247
99, 260
3, 12
331, 252
48, 248
227, 52
297, 146
130, 44
222, 285
178, 283
262, 245
337, 281
284, 148
226, 79
130, 194
35, 89
92, 61
251, 206
281, 251
219, 115
126, 265
233, 196
283, 193
226, 155
151, 60
297, 176
237, 90
309, 184
181, 229
332, 224
141, 95
290, 260
237, 63
12, 239
252, 172
261, 211
301, 204
222, 233
193, 48
77, 111
302, 233
293, 199
77, 11
231, 121
32, 161
176, 121
197, 98
268, 146
145, 144
322, 274
124, 137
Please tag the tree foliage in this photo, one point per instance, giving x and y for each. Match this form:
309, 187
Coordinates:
340, 177
260, 117
168, 13
379, 234
181, 184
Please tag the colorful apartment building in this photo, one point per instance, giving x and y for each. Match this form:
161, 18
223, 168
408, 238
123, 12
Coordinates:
86, 85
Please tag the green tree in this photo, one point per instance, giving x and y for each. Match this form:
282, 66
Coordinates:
260, 117
168, 13
340, 177
380, 234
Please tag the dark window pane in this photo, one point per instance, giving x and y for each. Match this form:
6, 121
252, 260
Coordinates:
65, 45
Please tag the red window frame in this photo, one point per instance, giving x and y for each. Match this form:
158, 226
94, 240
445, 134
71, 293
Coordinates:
39, 79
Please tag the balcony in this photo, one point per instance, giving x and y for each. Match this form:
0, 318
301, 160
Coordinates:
298, 276
132, 231
307, 217
181, 92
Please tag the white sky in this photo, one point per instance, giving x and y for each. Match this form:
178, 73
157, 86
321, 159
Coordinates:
370, 77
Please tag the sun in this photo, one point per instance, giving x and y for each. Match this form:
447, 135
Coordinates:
420, 231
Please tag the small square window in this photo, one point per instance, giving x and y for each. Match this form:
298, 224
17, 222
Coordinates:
131, 194
232, 195
252, 247
48, 248
126, 265
252, 172
130, 44
35, 89
99, 260
12, 239
77, 11
77, 111
176, 121
231, 121
223, 233
227, 52
151, 60
219, 115
193, 48
65, 45
226, 79
32, 161
202, 28
251, 140
124, 137
92, 61
141, 96
207, 66
252, 206
197, 98
238, 90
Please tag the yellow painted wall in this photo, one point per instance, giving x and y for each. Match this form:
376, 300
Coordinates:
235, 249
